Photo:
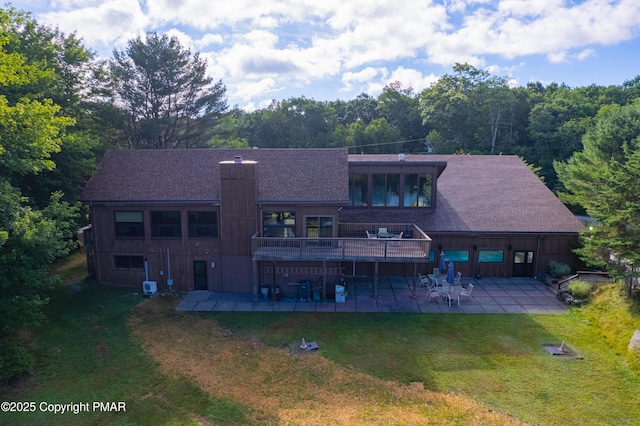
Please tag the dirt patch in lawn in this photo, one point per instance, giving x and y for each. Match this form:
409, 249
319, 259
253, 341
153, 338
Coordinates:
281, 388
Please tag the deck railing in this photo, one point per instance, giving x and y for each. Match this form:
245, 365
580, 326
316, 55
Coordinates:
359, 230
361, 249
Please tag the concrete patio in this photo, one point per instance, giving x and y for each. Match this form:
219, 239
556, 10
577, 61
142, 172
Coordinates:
394, 294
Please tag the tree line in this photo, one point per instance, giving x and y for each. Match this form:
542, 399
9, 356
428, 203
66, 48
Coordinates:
61, 108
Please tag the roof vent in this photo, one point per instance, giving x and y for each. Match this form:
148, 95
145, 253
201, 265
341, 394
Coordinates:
401, 157
237, 159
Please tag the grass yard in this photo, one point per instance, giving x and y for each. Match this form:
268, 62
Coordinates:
110, 344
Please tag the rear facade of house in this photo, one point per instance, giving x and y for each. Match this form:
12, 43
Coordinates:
233, 220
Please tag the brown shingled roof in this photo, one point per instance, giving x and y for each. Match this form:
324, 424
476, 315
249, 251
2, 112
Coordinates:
306, 175
480, 193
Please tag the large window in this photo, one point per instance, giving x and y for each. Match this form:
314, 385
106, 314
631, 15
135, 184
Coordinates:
203, 224
391, 190
490, 256
359, 189
129, 224
279, 224
386, 190
417, 190
166, 224
457, 255
128, 262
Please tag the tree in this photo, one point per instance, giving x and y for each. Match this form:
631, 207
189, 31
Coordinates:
165, 97
604, 178
50, 82
32, 129
292, 123
400, 107
467, 108
558, 123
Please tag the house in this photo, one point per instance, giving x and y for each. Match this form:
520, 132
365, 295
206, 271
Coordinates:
231, 220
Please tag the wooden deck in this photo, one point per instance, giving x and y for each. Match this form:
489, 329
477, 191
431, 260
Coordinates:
349, 249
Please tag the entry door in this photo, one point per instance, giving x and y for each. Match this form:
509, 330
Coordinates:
200, 274
523, 264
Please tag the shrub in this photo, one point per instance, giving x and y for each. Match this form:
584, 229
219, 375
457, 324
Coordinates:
14, 358
581, 290
558, 269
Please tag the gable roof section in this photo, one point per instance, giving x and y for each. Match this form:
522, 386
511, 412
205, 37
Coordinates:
193, 175
481, 193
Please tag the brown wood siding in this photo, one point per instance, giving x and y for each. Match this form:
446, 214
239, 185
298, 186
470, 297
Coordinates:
182, 251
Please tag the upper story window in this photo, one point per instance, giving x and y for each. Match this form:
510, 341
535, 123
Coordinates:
359, 189
319, 226
391, 189
417, 190
279, 224
129, 224
386, 190
166, 224
203, 224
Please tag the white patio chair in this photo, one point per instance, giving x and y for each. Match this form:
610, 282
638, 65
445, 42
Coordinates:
451, 295
423, 281
432, 293
466, 292
457, 278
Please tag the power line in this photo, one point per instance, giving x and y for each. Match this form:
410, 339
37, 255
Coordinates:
386, 143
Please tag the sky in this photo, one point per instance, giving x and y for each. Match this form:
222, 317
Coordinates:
337, 49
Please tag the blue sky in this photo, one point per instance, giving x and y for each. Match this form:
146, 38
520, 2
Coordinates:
337, 49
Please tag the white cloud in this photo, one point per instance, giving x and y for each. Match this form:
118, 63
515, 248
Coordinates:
351, 79
274, 45
103, 23
412, 78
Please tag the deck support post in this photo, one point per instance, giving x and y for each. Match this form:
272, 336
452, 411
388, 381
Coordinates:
255, 280
415, 280
375, 281
324, 280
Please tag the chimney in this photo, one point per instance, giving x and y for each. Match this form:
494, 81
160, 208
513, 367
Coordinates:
401, 157
237, 159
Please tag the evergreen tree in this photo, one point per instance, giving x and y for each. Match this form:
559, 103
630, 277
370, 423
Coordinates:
163, 94
604, 178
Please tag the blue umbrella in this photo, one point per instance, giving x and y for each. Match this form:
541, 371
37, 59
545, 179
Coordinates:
451, 274
442, 265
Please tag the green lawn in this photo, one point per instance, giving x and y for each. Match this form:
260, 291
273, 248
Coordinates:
86, 353
498, 360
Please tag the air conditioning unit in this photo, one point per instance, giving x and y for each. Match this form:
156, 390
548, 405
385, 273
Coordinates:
149, 287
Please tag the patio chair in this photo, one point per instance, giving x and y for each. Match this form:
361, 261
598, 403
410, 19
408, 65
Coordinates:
466, 292
451, 295
423, 281
436, 272
457, 278
432, 293
371, 237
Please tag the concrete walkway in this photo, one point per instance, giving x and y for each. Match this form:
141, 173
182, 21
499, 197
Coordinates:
490, 295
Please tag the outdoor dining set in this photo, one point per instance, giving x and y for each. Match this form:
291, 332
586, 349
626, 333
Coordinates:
383, 233
444, 287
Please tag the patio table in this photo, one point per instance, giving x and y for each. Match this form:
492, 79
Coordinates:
386, 235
